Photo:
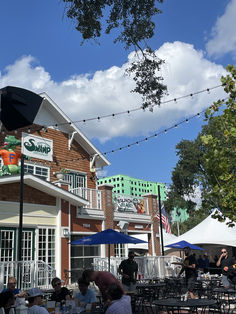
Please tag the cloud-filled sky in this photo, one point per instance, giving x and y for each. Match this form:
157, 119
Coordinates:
41, 51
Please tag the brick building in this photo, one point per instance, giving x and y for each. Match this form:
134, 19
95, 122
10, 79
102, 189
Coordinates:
57, 211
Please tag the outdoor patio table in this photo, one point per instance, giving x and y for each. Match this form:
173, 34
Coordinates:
150, 285
152, 290
176, 306
227, 297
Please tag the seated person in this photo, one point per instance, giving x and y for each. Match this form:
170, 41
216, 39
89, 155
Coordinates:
103, 279
60, 293
11, 286
85, 296
118, 302
7, 300
35, 302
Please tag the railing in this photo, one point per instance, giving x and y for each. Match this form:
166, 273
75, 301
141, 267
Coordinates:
92, 195
148, 266
30, 273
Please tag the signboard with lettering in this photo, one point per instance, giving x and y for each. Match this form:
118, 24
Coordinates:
37, 147
127, 204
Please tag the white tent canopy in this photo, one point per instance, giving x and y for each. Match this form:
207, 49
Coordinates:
210, 231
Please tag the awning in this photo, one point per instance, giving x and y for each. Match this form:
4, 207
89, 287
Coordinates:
141, 236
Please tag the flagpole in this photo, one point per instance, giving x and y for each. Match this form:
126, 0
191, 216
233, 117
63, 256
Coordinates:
160, 213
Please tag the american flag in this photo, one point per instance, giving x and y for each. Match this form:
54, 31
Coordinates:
164, 219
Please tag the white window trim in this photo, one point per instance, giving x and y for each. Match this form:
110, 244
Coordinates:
40, 166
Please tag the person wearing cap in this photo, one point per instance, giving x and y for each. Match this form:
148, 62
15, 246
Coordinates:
35, 302
60, 293
189, 267
128, 269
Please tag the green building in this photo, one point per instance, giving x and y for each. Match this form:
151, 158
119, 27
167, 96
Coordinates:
131, 186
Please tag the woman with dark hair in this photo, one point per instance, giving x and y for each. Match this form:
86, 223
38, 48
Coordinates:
60, 293
7, 300
119, 302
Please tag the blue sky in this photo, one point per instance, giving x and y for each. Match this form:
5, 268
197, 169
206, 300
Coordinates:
41, 51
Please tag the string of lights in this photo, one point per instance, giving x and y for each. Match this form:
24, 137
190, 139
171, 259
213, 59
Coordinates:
129, 111
113, 115
145, 139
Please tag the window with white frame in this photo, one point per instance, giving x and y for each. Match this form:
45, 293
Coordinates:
37, 170
119, 250
46, 245
75, 179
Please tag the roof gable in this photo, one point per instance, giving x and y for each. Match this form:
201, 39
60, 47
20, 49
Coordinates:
50, 114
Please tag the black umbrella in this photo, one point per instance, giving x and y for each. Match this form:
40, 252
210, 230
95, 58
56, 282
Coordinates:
18, 107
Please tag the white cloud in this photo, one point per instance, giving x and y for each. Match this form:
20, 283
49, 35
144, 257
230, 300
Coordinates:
224, 33
195, 197
82, 96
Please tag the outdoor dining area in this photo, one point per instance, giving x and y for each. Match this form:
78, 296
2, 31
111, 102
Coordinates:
159, 294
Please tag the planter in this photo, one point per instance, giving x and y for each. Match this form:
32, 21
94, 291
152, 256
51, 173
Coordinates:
59, 175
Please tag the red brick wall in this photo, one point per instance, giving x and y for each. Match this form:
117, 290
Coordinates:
11, 193
152, 205
64, 213
61, 153
64, 256
108, 208
77, 223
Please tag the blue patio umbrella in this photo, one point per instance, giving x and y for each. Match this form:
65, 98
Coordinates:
183, 244
108, 236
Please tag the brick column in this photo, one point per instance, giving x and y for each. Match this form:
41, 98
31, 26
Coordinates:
153, 240
108, 208
65, 263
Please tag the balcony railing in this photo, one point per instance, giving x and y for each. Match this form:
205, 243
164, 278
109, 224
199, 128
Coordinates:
149, 267
30, 273
92, 195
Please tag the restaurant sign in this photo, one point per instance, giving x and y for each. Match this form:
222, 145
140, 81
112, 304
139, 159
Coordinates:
127, 204
37, 147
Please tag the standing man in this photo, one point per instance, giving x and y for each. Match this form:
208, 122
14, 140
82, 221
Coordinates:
128, 269
225, 261
189, 266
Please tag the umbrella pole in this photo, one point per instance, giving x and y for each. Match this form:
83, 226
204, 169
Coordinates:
109, 256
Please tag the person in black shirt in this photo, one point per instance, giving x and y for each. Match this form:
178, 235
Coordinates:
7, 300
225, 261
129, 270
61, 293
189, 266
